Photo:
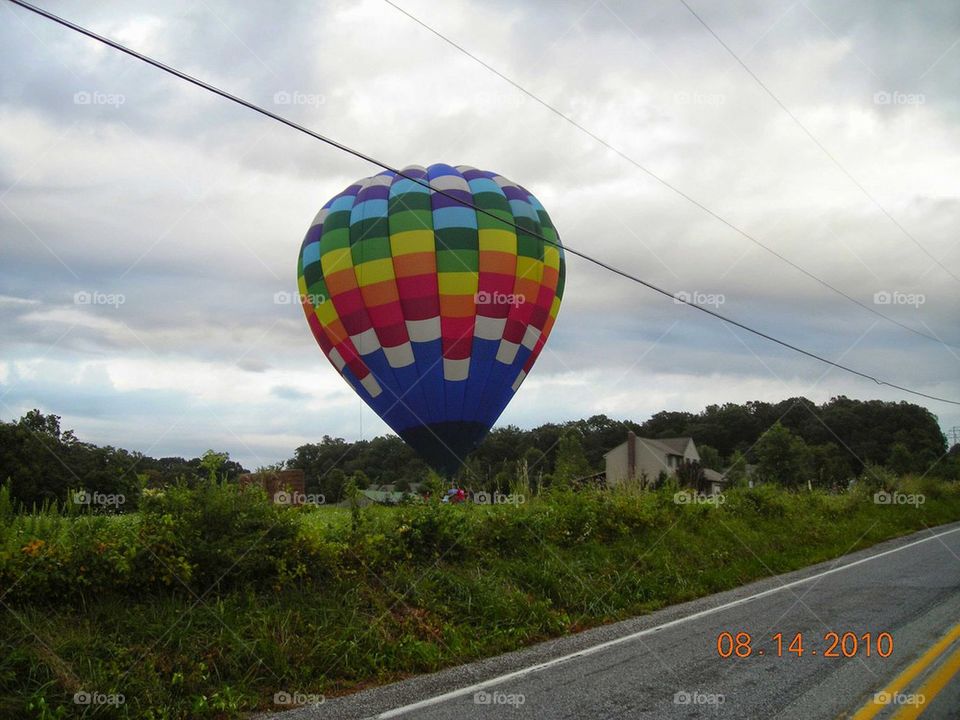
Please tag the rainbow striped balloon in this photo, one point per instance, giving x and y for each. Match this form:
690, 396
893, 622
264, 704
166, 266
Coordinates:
432, 311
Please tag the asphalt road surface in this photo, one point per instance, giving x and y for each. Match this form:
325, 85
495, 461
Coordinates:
668, 664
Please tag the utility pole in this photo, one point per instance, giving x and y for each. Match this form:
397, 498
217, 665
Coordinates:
955, 433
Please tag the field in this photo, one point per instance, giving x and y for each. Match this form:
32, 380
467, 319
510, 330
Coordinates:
212, 602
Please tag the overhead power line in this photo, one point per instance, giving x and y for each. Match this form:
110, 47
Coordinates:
816, 142
663, 181
358, 154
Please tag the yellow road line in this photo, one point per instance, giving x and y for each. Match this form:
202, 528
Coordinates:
934, 684
872, 707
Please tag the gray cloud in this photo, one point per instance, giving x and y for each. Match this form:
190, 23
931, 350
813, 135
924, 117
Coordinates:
193, 210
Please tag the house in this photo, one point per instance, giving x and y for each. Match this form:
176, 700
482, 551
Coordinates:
645, 458
716, 481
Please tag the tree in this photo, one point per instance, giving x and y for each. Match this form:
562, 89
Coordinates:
44, 463
211, 462
831, 465
690, 475
901, 460
571, 460
737, 472
709, 457
667, 424
331, 485
35, 421
782, 457
318, 462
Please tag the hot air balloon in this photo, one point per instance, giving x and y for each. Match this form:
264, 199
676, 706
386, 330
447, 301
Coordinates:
433, 312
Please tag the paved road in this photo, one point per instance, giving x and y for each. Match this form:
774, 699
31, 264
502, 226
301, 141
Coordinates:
666, 665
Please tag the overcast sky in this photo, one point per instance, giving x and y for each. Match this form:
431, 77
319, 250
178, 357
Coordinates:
124, 183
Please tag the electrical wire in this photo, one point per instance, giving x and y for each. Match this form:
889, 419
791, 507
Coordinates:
358, 154
663, 181
816, 142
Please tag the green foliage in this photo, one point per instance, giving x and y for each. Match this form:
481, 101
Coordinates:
211, 538
434, 486
876, 477
211, 599
901, 460
830, 466
360, 480
710, 457
736, 473
838, 435
43, 464
782, 457
383, 460
351, 493
763, 500
7, 508
571, 461
212, 462
690, 475
227, 535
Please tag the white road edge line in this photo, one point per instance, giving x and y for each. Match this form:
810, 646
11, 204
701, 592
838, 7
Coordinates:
437, 699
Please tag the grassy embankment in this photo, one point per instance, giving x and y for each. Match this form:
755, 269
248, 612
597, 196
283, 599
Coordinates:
208, 603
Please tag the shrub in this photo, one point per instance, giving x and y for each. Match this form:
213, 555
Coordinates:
434, 530
875, 478
217, 535
765, 500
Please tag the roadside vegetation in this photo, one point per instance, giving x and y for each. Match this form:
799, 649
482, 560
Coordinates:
137, 587
211, 601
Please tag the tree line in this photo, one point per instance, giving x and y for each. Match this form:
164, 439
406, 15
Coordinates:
794, 442
43, 464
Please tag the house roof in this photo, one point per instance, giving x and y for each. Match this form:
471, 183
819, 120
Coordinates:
714, 476
668, 446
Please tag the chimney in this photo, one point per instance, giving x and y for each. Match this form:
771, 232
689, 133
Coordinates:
631, 455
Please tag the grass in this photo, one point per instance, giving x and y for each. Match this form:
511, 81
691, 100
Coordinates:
332, 602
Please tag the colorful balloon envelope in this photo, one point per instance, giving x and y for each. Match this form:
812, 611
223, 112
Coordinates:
433, 311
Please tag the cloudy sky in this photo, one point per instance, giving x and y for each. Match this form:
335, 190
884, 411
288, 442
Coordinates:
147, 226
